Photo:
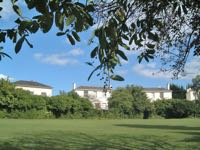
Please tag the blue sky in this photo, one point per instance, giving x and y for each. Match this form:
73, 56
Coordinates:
53, 61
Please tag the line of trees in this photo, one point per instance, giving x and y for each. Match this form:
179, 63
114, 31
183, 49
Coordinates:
128, 102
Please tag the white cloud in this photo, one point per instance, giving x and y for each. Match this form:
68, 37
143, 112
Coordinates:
55, 59
7, 11
122, 72
62, 58
192, 68
2, 76
150, 70
76, 52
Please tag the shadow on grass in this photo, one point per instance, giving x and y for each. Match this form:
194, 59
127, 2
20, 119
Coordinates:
65, 141
167, 127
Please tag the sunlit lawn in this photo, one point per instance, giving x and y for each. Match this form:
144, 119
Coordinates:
100, 134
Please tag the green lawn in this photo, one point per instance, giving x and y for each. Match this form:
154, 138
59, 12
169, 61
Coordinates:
100, 134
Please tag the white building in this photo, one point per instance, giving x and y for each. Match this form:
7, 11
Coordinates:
97, 95
190, 95
158, 93
34, 87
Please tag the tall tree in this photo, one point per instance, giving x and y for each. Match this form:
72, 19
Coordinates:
178, 92
166, 29
130, 101
196, 85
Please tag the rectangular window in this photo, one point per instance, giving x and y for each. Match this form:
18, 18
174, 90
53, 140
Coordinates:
85, 93
161, 95
43, 93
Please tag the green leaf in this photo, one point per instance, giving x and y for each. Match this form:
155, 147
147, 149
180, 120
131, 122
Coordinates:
140, 59
122, 55
4, 54
30, 4
179, 11
89, 63
18, 46
184, 9
76, 36
94, 52
134, 37
150, 51
33, 27
2, 37
71, 39
41, 6
125, 37
150, 56
98, 67
117, 77
59, 20
154, 36
17, 10
29, 44
60, 33
102, 38
53, 5
90, 8
150, 45
10, 34
46, 22
69, 20
146, 58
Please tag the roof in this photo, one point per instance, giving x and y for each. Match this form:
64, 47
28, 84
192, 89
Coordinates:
91, 88
156, 90
32, 84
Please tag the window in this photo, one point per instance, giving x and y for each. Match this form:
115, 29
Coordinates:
161, 95
97, 105
32, 92
43, 93
85, 93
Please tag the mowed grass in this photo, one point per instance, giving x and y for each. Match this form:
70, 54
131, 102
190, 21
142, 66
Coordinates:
100, 134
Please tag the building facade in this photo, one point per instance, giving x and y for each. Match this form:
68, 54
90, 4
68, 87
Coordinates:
34, 87
191, 95
158, 93
97, 95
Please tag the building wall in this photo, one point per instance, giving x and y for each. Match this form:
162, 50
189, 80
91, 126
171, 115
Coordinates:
153, 96
167, 95
190, 95
97, 98
37, 91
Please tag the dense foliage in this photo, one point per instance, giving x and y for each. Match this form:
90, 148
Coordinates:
166, 29
178, 92
129, 102
177, 108
17, 103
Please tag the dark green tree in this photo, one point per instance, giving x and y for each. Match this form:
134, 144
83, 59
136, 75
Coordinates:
178, 92
130, 102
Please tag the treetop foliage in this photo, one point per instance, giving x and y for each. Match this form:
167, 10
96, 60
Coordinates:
165, 29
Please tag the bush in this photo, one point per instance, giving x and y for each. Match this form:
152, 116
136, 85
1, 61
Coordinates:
174, 108
3, 114
130, 102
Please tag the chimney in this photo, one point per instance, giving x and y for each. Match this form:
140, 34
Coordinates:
74, 86
168, 86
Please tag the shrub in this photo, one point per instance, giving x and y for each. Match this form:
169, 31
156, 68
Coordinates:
130, 102
174, 108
